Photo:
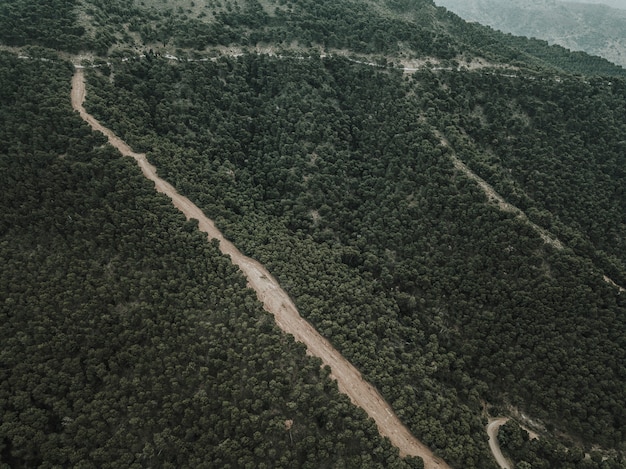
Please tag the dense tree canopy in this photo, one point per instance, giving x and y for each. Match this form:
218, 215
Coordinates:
50, 24
127, 339
334, 175
555, 147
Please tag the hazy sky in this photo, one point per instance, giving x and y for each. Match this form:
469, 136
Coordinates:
612, 3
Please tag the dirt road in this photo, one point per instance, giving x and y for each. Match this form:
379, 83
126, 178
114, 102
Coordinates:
495, 198
277, 302
492, 430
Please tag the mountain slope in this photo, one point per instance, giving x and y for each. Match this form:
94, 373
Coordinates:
276, 301
127, 339
342, 174
394, 28
595, 29
339, 166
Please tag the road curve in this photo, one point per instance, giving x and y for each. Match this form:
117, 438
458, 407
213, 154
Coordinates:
492, 430
276, 301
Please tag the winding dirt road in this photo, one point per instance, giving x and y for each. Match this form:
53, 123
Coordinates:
277, 302
492, 430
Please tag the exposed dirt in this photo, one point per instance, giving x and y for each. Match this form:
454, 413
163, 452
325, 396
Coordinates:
492, 430
497, 199
505, 206
611, 282
277, 302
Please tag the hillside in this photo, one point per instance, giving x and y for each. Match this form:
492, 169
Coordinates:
406, 29
595, 29
442, 202
127, 339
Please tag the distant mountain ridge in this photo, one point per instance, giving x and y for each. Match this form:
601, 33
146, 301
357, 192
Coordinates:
620, 4
597, 29
389, 28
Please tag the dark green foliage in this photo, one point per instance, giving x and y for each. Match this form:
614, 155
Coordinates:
263, 161
127, 339
546, 452
555, 147
331, 174
335, 176
50, 23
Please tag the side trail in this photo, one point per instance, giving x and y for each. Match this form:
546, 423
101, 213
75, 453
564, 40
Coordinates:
276, 301
492, 431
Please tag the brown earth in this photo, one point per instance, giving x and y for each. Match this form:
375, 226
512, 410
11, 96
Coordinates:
277, 302
492, 430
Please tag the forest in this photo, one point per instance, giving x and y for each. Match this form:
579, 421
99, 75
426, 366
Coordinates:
128, 340
332, 174
402, 28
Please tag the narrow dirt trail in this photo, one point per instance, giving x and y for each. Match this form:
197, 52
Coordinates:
277, 302
495, 198
492, 430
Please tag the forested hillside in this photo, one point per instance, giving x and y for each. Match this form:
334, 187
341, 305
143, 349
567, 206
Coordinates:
578, 26
127, 339
397, 28
556, 149
332, 174
123, 328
